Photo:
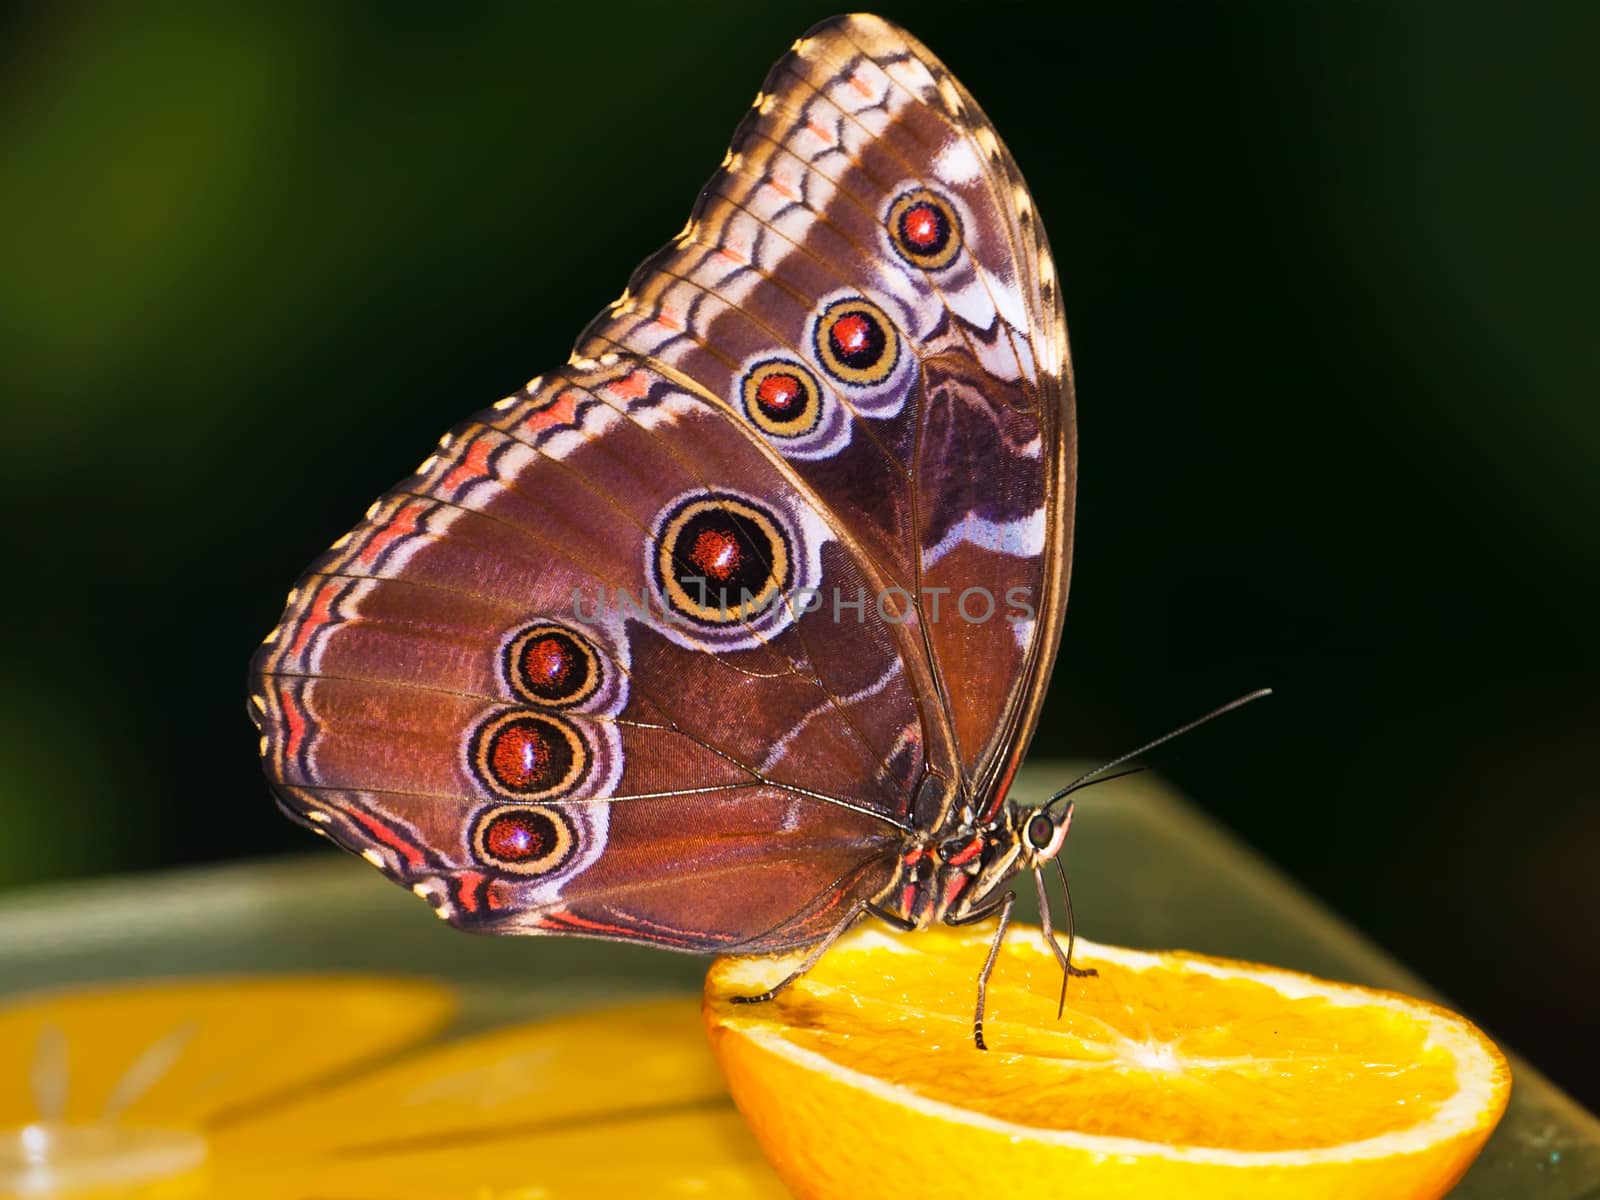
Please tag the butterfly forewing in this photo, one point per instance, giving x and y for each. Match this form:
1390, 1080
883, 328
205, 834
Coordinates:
663, 646
865, 171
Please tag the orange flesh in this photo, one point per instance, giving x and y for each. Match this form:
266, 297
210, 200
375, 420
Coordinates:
1162, 1055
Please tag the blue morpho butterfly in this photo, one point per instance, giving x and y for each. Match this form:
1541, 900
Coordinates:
735, 627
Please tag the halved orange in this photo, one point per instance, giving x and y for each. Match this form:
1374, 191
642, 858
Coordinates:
1168, 1075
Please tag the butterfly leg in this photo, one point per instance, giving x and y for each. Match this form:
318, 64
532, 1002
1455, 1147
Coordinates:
892, 919
810, 960
1004, 907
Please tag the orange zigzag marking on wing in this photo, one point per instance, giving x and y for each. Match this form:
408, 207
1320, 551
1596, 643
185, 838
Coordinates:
560, 411
475, 466
296, 721
402, 524
320, 614
631, 386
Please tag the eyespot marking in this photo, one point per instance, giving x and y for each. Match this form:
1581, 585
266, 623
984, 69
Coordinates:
524, 839
549, 665
721, 560
782, 398
526, 755
925, 229
855, 342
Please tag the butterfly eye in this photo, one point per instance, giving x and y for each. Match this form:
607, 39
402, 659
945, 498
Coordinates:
782, 398
546, 664
525, 841
530, 756
856, 343
925, 229
1041, 831
720, 560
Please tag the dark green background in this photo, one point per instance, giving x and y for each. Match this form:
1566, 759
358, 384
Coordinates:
1330, 279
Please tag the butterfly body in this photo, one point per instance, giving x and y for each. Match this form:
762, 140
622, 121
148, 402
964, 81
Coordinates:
941, 872
737, 625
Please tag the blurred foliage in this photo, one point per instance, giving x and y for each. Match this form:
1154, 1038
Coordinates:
1329, 273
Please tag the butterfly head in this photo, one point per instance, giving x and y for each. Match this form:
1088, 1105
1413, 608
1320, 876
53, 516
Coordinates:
1044, 832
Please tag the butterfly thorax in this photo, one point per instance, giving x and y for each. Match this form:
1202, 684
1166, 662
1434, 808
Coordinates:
955, 872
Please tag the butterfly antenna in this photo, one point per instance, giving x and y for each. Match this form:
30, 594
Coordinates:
1096, 782
1093, 776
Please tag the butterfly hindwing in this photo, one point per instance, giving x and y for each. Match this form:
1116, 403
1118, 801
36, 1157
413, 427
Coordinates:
496, 690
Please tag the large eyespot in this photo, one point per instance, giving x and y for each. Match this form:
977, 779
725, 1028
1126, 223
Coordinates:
924, 228
782, 398
525, 840
721, 559
548, 664
528, 756
855, 342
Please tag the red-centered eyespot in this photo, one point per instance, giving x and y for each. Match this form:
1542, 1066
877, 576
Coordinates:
856, 343
551, 665
529, 755
782, 398
924, 228
721, 559
525, 840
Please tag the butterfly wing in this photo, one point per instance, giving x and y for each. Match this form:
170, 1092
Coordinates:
506, 689
866, 185
642, 651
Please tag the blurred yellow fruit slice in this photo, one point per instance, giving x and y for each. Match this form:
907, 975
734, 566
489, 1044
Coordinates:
1169, 1075
614, 1102
204, 1048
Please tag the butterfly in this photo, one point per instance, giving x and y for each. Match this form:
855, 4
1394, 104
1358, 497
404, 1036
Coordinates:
735, 628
